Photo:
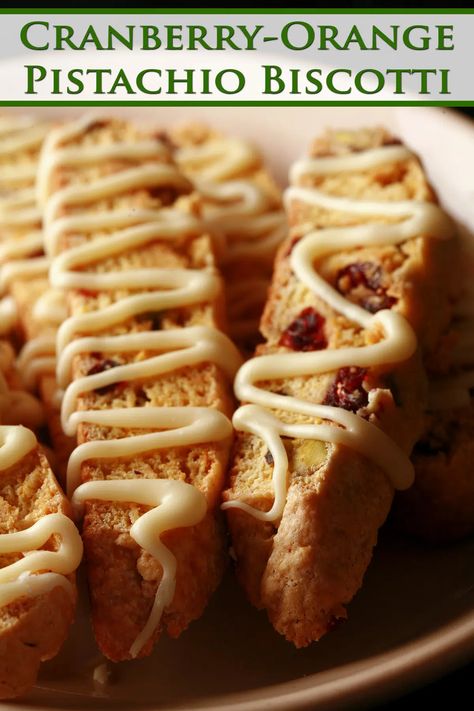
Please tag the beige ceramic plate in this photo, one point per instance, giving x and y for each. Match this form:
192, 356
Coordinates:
414, 618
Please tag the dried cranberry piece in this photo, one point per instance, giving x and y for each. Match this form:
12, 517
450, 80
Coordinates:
377, 302
102, 365
142, 397
154, 317
87, 293
166, 195
360, 274
347, 390
99, 367
368, 276
305, 332
269, 457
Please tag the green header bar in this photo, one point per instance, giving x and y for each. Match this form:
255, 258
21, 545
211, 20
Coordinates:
241, 13
238, 11
266, 104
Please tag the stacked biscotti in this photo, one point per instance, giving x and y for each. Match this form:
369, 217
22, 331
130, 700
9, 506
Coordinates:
242, 205
336, 395
20, 220
40, 311
121, 324
38, 594
24, 269
146, 373
439, 507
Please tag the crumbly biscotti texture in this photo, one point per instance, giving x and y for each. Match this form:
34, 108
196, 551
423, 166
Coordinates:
123, 578
32, 629
306, 568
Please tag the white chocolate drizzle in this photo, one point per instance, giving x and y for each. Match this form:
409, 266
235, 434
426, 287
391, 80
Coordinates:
37, 358
20, 218
218, 159
346, 428
240, 209
21, 270
20, 141
174, 503
26, 245
38, 571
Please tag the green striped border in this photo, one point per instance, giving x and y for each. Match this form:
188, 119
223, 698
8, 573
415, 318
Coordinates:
239, 11
267, 104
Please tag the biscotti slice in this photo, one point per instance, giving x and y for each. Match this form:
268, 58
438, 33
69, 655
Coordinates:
17, 406
25, 307
335, 397
40, 311
242, 203
40, 548
439, 507
146, 373
21, 138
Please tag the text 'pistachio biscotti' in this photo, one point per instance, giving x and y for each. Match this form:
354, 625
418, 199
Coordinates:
334, 400
146, 376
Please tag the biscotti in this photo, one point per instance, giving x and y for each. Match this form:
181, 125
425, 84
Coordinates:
145, 372
242, 205
40, 311
334, 400
21, 138
40, 548
28, 309
439, 507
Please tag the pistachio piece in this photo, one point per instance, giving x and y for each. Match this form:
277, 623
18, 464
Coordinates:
306, 455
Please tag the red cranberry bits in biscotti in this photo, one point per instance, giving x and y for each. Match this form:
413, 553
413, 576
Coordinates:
347, 390
363, 281
305, 332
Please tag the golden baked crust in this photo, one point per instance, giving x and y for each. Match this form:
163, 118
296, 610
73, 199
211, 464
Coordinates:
306, 568
123, 578
32, 629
